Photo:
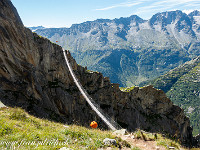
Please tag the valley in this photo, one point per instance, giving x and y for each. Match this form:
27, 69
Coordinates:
131, 50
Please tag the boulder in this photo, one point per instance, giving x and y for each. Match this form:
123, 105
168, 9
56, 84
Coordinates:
121, 132
109, 142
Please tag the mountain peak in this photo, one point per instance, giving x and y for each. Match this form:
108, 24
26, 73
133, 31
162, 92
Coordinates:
180, 19
169, 15
194, 13
36, 28
128, 20
9, 11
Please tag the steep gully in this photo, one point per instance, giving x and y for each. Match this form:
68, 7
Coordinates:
106, 119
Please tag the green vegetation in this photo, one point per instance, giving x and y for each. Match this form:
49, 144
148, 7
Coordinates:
135, 148
130, 67
127, 89
90, 71
182, 86
20, 130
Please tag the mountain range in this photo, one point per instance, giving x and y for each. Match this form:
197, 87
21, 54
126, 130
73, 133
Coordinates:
36, 28
132, 50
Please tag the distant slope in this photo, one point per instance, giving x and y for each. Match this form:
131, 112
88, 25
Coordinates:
182, 86
132, 50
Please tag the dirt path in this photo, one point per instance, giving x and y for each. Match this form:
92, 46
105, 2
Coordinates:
143, 145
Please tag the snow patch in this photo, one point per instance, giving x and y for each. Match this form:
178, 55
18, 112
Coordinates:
197, 19
188, 11
190, 110
144, 25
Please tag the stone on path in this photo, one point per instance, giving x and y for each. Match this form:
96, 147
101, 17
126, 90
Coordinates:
108, 141
121, 132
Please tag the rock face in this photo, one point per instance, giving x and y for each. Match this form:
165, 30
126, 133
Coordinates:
34, 76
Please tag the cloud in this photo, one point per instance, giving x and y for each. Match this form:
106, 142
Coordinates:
167, 5
125, 4
188, 11
146, 8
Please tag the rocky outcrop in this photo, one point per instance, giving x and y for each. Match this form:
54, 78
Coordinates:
197, 140
34, 76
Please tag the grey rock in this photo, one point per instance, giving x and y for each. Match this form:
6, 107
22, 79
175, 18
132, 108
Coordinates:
197, 140
121, 132
108, 141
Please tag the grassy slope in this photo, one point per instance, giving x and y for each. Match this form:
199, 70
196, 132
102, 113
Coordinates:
18, 126
29, 132
182, 86
186, 93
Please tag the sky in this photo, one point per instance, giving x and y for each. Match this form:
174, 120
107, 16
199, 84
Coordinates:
64, 13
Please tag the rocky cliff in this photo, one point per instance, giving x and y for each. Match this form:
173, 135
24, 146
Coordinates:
34, 76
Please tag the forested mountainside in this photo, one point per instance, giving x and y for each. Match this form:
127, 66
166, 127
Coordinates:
34, 76
182, 86
132, 50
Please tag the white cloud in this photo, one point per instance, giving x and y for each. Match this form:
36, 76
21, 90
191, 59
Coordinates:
188, 11
107, 8
126, 4
167, 5
154, 4
146, 8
